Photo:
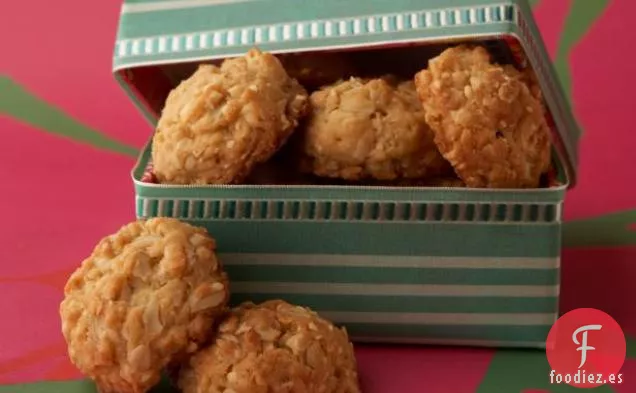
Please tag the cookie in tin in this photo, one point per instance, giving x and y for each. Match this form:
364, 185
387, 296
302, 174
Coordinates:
224, 120
488, 120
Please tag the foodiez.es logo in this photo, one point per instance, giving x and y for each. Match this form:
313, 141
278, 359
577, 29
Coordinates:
586, 348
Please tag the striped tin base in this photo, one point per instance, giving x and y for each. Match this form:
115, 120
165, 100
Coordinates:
504, 302
447, 282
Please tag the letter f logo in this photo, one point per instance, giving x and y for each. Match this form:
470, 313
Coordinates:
583, 344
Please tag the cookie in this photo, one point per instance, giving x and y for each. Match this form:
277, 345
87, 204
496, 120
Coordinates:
369, 129
270, 348
489, 121
222, 121
146, 297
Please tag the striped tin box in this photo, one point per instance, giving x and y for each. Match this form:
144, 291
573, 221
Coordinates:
423, 265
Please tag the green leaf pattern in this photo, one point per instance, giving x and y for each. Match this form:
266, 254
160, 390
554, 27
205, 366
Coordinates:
580, 18
610, 230
22, 105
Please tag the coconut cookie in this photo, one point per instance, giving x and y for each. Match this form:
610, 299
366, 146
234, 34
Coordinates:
274, 347
488, 120
146, 297
222, 121
369, 129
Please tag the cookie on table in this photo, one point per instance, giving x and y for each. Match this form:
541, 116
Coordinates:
316, 69
488, 119
270, 348
147, 296
369, 129
222, 121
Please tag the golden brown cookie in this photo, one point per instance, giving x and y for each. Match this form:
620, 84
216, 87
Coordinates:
274, 347
147, 296
316, 69
370, 129
487, 121
220, 122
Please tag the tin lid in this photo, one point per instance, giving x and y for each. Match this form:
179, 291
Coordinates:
159, 41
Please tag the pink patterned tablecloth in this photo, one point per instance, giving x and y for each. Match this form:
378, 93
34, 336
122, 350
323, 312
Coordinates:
66, 126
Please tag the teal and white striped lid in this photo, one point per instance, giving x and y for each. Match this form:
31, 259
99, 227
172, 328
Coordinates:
155, 35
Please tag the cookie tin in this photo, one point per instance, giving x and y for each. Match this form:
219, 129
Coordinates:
393, 264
